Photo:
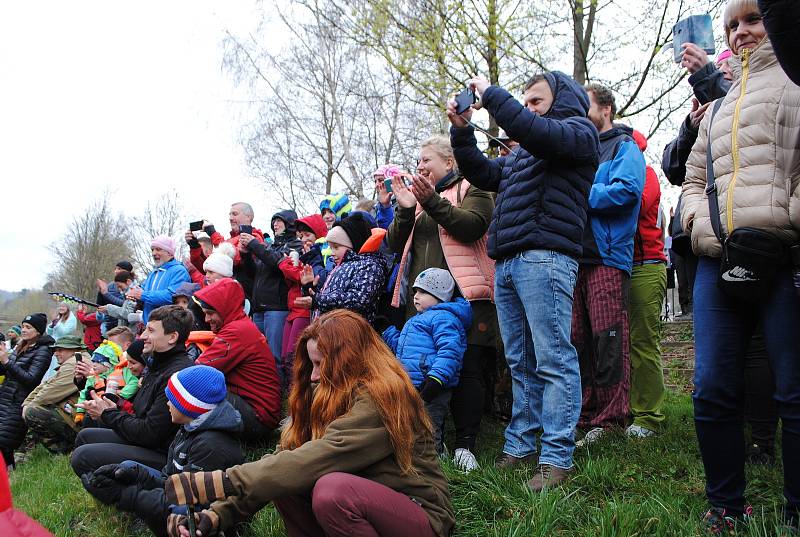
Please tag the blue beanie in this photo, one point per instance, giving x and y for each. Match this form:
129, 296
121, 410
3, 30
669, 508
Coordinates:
196, 390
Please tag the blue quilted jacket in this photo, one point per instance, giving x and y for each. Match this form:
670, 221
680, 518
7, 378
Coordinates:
543, 187
433, 342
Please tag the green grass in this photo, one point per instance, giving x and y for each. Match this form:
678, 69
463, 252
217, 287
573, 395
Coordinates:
651, 487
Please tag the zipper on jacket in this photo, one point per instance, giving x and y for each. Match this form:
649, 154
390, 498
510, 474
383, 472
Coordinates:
735, 138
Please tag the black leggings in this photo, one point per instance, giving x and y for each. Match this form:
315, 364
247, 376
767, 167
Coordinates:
467, 403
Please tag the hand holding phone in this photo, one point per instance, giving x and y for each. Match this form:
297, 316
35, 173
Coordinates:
465, 100
197, 225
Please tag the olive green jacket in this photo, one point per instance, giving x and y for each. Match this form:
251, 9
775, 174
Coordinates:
356, 443
467, 223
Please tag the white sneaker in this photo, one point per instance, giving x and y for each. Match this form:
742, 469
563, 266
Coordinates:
465, 460
637, 431
592, 436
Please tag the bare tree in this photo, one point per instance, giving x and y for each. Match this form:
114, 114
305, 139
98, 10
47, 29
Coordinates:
165, 216
94, 242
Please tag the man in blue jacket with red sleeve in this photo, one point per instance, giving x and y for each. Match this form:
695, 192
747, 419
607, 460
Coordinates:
600, 325
535, 236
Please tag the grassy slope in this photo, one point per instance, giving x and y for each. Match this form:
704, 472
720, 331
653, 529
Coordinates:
620, 488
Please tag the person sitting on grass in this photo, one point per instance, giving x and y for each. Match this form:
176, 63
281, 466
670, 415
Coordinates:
145, 436
207, 440
356, 458
47, 410
432, 343
241, 352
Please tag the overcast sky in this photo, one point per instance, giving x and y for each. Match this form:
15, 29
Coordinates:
128, 97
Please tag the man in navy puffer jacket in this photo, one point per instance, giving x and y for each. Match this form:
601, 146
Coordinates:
535, 236
432, 344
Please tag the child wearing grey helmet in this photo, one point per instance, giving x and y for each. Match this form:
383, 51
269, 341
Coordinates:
431, 345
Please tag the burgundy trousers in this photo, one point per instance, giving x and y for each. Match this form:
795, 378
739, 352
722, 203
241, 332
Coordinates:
343, 504
601, 335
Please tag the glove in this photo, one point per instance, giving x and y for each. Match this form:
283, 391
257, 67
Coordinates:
206, 522
381, 323
130, 473
189, 488
102, 487
431, 389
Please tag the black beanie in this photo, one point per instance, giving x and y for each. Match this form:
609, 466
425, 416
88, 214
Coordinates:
135, 350
38, 321
357, 227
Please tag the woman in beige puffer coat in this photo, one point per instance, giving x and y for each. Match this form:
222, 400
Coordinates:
755, 148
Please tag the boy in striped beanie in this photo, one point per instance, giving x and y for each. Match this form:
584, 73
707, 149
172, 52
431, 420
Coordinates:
208, 439
194, 391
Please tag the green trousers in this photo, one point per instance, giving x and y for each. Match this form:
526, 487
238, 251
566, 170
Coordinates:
648, 289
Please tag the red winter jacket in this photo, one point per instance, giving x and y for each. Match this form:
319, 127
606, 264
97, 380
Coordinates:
648, 244
92, 336
241, 352
292, 273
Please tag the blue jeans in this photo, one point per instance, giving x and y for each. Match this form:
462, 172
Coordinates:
723, 330
271, 325
533, 294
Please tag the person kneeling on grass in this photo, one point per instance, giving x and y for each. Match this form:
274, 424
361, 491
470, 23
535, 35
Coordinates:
432, 344
357, 456
207, 440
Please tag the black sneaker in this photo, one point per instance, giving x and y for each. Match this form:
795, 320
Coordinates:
718, 521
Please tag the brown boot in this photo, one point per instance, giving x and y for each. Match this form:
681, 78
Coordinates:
506, 461
548, 476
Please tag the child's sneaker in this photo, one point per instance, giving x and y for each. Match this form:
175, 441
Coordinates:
717, 521
465, 460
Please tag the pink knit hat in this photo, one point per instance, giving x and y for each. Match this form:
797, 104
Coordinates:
724, 55
387, 170
165, 243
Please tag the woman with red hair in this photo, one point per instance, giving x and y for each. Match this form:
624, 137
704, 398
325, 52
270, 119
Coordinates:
357, 457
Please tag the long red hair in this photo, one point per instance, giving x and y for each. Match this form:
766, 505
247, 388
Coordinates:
354, 358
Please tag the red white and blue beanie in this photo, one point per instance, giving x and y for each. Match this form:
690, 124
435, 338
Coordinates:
196, 390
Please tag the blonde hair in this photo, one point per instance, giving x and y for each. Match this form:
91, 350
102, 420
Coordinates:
734, 7
440, 144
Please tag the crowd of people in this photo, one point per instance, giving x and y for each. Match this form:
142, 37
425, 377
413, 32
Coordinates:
354, 332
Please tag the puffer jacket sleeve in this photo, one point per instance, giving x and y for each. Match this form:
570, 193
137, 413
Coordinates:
391, 336
450, 340
627, 175
544, 138
479, 170
31, 375
695, 184
781, 19
709, 84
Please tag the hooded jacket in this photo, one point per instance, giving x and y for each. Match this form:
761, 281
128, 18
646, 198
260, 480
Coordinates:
542, 188
614, 201
355, 284
92, 336
160, 285
292, 272
356, 443
648, 244
23, 374
241, 352
208, 443
151, 425
755, 156
432, 343
287, 240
